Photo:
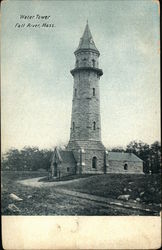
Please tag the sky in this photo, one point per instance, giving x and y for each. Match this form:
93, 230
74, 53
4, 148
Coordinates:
36, 62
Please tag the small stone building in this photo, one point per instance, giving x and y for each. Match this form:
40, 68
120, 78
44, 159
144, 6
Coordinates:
66, 162
120, 162
62, 163
85, 152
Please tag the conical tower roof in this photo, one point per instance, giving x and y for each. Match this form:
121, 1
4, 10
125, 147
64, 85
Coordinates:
86, 41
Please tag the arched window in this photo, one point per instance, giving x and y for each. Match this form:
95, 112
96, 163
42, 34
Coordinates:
94, 162
94, 125
73, 126
75, 92
125, 166
94, 92
77, 62
84, 61
93, 63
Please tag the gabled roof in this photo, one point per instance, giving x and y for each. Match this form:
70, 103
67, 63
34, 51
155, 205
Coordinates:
67, 156
119, 156
86, 42
60, 155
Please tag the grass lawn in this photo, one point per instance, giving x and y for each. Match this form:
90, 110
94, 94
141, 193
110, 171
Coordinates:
113, 185
47, 201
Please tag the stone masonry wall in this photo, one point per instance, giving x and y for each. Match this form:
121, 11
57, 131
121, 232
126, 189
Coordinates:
86, 107
86, 103
118, 167
87, 168
66, 169
86, 59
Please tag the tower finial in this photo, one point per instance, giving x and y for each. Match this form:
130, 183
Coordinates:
86, 42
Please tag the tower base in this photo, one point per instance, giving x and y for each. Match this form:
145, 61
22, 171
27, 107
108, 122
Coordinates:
89, 155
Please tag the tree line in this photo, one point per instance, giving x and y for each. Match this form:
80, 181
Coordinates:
32, 158
28, 158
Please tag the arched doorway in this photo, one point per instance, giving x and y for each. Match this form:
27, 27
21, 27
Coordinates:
94, 162
55, 169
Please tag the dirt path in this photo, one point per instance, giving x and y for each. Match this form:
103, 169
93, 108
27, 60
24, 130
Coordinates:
103, 201
35, 182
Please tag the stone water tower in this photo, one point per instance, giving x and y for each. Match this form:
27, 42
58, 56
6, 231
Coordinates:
85, 135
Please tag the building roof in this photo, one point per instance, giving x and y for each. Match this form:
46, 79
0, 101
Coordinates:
86, 41
62, 156
121, 156
67, 156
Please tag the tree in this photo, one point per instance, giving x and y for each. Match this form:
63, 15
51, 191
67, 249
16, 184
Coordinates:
150, 154
117, 149
155, 157
28, 158
11, 160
